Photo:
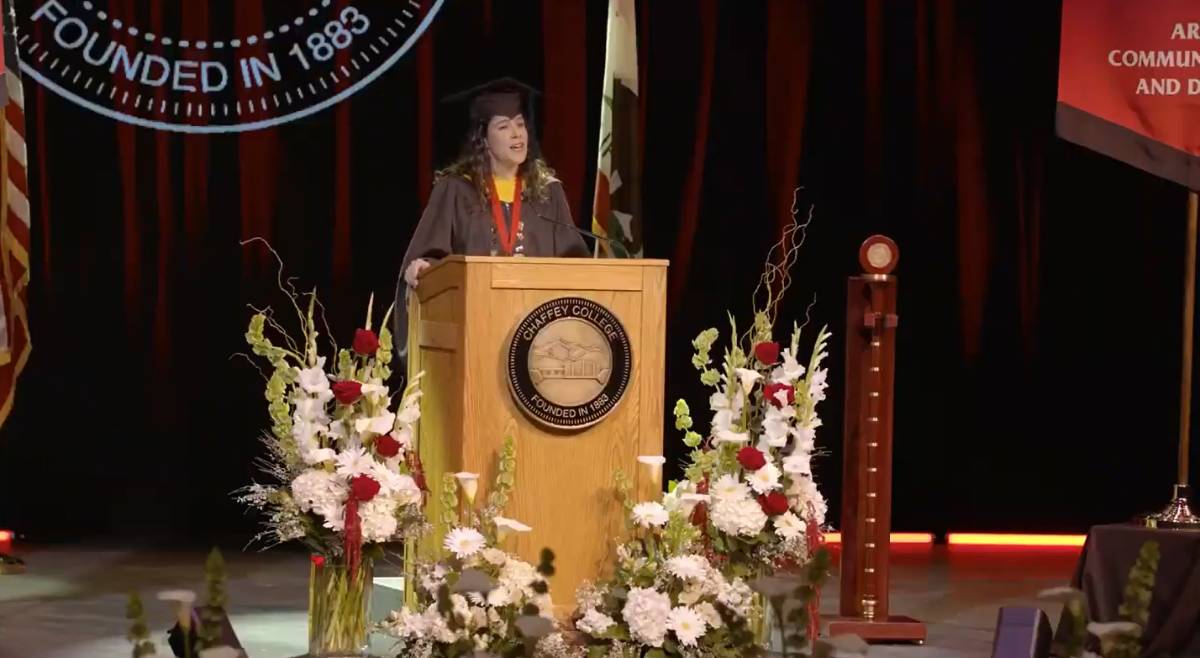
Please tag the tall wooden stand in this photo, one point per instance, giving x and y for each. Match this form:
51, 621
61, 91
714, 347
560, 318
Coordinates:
871, 321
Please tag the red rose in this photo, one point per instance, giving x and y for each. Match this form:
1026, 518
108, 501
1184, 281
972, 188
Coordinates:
751, 459
318, 560
700, 515
773, 504
347, 391
365, 342
386, 446
363, 488
771, 389
766, 353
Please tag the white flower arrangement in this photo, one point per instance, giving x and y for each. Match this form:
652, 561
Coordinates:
478, 598
345, 471
696, 576
664, 597
765, 509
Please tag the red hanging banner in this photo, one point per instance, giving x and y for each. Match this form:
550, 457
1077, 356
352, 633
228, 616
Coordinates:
1129, 83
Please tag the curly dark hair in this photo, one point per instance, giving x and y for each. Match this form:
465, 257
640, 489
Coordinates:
474, 164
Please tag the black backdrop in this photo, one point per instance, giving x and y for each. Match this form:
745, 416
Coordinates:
1040, 284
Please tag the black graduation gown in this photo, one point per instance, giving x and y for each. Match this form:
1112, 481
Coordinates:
457, 221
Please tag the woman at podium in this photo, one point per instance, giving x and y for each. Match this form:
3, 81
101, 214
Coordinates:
499, 198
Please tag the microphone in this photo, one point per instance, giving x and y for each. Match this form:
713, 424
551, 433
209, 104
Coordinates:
617, 245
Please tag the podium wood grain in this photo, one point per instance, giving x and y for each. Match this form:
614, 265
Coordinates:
461, 322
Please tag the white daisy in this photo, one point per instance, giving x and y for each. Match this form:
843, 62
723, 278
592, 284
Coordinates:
687, 625
650, 515
728, 487
463, 542
355, 461
788, 526
764, 479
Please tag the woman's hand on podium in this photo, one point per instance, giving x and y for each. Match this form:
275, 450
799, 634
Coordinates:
414, 271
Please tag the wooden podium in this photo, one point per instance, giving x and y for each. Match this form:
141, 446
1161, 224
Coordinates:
463, 325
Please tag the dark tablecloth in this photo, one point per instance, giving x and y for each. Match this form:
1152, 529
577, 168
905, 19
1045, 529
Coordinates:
1174, 627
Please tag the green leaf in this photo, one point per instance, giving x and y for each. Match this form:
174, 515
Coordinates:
656, 653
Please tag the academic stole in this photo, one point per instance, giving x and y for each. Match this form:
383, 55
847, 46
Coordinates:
507, 238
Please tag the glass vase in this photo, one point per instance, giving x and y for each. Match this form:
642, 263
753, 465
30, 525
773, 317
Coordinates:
339, 609
764, 625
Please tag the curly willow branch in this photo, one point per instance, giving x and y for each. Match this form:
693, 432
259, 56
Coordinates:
284, 285
777, 277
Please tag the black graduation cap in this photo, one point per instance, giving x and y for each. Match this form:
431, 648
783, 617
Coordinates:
504, 96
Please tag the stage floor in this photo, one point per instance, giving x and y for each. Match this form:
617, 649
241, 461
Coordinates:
71, 602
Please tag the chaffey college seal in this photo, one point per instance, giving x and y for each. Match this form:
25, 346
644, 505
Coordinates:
569, 363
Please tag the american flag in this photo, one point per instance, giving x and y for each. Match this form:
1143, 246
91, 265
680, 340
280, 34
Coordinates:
14, 230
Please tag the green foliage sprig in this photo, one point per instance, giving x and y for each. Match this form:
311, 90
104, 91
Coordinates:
139, 632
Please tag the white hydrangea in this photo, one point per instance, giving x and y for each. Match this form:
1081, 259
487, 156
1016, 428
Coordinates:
646, 611
433, 579
494, 556
321, 492
519, 576
743, 518
594, 623
737, 596
587, 595
500, 597
688, 567
378, 519
709, 614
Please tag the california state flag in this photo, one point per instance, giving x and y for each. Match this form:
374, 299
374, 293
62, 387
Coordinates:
617, 206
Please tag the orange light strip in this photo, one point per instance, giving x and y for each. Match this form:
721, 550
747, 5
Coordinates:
910, 538
1000, 539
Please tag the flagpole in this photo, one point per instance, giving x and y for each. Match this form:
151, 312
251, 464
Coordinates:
1178, 513
1189, 304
